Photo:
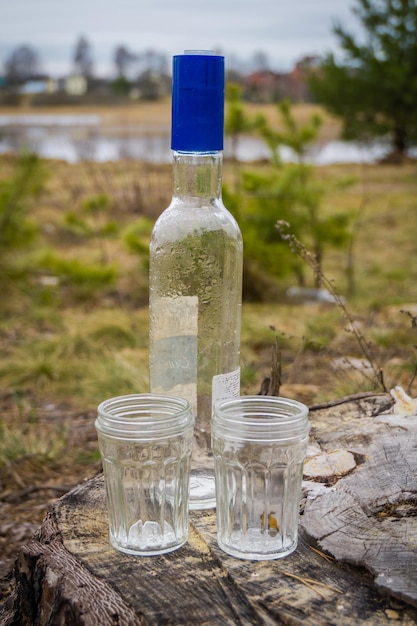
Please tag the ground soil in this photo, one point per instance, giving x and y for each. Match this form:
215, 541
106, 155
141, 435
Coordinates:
30, 484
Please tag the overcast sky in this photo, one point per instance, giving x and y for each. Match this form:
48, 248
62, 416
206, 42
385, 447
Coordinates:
285, 30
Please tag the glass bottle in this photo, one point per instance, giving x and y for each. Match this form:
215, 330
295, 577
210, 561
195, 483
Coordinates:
196, 266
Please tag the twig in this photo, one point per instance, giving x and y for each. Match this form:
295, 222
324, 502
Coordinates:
276, 368
17, 496
271, 385
350, 398
298, 248
324, 556
311, 584
413, 319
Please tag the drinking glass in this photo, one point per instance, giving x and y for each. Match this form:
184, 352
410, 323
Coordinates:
145, 442
259, 445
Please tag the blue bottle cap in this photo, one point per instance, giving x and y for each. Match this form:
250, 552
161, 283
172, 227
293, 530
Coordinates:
197, 102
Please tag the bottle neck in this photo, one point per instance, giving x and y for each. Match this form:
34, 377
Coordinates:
197, 175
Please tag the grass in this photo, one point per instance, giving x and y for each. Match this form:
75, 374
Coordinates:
72, 339
27, 438
91, 355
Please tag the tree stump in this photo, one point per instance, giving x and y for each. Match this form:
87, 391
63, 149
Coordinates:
356, 562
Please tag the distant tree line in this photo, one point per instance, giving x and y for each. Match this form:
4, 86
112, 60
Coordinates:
148, 73
24, 63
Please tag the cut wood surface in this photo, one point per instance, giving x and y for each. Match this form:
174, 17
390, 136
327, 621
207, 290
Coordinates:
355, 564
368, 516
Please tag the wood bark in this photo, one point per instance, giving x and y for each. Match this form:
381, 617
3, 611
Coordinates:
368, 515
355, 564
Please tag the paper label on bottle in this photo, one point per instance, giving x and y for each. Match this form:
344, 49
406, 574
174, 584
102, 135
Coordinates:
226, 386
174, 359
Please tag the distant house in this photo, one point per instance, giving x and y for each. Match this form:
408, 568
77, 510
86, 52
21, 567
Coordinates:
76, 85
265, 86
299, 88
52, 86
269, 86
99, 86
38, 85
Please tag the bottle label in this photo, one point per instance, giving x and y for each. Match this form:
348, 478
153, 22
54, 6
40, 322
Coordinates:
174, 359
226, 386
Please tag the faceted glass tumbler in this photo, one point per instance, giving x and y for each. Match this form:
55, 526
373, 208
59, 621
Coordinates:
259, 445
145, 443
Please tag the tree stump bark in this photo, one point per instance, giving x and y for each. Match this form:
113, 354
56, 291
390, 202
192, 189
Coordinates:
356, 562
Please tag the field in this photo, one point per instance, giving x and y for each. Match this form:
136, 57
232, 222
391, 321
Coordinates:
74, 318
148, 114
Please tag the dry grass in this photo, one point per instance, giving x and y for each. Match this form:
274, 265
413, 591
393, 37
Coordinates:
73, 345
43, 324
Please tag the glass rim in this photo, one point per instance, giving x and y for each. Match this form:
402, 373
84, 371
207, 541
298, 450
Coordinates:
261, 418
143, 416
